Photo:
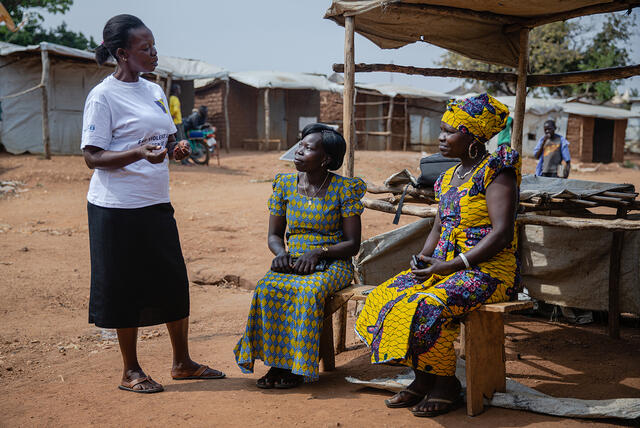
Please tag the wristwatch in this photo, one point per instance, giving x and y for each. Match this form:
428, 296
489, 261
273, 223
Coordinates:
325, 250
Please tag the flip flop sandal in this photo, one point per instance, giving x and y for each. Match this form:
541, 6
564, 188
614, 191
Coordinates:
289, 381
413, 399
450, 406
199, 374
129, 386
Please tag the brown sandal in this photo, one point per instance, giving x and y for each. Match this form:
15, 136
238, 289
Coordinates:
412, 399
129, 386
199, 374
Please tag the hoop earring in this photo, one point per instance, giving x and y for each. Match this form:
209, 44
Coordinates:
475, 155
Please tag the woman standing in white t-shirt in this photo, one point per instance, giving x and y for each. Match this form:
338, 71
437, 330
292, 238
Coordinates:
138, 275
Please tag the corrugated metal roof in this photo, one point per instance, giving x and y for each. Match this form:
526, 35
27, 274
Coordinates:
279, 79
177, 68
391, 90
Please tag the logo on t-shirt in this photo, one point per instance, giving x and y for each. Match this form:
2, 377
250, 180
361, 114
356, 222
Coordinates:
160, 104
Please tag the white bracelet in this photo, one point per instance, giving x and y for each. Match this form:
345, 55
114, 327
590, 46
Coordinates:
464, 259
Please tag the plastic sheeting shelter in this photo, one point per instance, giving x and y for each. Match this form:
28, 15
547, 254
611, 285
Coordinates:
72, 74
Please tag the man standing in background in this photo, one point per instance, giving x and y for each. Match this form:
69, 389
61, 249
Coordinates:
550, 151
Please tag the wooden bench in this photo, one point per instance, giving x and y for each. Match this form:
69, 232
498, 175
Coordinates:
482, 343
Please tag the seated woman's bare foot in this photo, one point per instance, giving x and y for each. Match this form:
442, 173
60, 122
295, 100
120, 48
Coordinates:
443, 398
138, 381
414, 393
192, 370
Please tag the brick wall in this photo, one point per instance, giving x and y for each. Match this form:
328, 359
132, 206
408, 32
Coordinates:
574, 136
619, 131
331, 108
213, 98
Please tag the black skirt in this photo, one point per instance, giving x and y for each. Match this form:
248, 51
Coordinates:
138, 275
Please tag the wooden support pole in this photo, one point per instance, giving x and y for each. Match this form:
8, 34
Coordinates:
349, 94
521, 91
533, 80
389, 124
406, 125
167, 88
227, 127
44, 83
614, 284
267, 121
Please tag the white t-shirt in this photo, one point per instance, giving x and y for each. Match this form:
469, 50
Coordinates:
119, 116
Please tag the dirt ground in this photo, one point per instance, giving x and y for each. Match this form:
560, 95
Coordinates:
57, 370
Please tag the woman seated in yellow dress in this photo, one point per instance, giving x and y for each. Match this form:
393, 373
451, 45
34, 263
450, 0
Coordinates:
320, 212
469, 258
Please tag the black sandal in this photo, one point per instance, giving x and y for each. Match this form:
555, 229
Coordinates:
289, 380
269, 380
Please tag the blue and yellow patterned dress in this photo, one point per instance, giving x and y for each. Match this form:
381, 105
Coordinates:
286, 314
415, 324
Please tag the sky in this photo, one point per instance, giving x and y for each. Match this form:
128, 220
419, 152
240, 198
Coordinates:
280, 35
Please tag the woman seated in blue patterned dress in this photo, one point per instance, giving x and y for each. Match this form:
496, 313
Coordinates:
320, 211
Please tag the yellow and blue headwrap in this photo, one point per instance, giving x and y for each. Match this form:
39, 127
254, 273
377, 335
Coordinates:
482, 117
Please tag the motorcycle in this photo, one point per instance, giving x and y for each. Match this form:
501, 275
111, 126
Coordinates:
203, 144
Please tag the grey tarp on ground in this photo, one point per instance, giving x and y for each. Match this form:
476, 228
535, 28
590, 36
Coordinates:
520, 397
533, 185
562, 266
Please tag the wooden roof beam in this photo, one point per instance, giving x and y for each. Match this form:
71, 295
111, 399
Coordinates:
559, 79
615, 6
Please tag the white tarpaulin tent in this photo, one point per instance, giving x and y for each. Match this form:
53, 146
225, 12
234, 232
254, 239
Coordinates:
72, 74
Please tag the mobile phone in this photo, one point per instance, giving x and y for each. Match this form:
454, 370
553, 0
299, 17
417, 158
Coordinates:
419, 263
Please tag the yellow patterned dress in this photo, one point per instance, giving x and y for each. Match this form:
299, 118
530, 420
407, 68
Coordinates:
415, 324
286, 314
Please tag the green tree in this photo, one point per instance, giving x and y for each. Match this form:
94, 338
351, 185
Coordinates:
33, 32
560, 47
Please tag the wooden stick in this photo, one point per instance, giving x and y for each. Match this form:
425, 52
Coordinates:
583, 11
167, 88
521, 91
267, 120
226, 117
396, 190
560, 79
440, 72
44, 83
617, 243
533, 80
349, 94
389, 124
17, 94
622, 195
406, 209
372, 132
379, 118
406, 125
578, 223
